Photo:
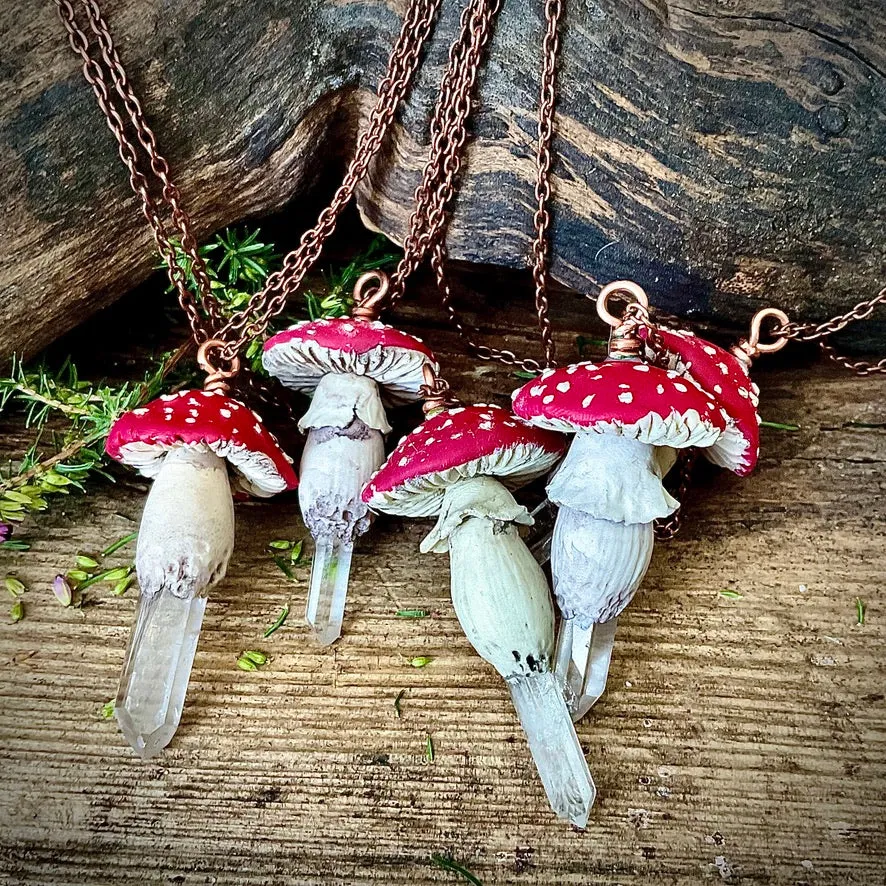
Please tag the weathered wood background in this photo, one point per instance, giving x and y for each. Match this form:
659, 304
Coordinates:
723, 154
741, 740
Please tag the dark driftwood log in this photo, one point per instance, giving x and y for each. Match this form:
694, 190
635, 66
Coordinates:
724, 155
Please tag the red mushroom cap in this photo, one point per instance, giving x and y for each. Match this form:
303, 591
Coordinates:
726, 379
623, 397
302, 355
455, 444
203, 418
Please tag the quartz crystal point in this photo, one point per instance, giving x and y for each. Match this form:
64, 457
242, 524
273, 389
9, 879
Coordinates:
503, 603
345, 446
184, 544
582, 661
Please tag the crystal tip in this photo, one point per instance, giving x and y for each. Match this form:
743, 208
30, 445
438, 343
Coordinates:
146, 744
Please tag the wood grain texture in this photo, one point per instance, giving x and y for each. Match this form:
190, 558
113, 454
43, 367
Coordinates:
741, 741
724, 155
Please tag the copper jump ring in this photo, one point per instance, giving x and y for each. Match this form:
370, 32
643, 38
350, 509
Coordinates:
778, 342
216, 378
630, 292
370, 293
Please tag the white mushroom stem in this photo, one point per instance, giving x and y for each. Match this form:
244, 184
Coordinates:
502, 601
609, 491
346, 425
184, 544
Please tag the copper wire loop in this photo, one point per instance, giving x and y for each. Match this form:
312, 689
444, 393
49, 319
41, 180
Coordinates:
370, 294
436, 392
754, 346
627, 290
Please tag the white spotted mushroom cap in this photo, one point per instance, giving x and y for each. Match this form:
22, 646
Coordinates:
726, 379
456, 444
142, 437
301, 355
624, 397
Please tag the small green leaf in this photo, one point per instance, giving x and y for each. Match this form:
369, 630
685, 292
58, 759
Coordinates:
14, 546
278, 623
284, 567
14, 586
123, 586
420, 661
17, 612
412, 613
280, 544
107, 710
730, 595
77, 576
85, 562
524, 373
779, 426
246, 665
296, 552
859, 610
447, 864
121, 542
256, 657
429, 749
115, 575
397, 700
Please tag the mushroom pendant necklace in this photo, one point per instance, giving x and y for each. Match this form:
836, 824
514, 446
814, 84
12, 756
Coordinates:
658, 391
185, 442
352, 366
460, 466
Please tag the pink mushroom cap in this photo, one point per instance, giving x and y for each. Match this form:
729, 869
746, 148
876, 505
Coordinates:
625, 397
456, 444
301, 355
142, 437
726, 379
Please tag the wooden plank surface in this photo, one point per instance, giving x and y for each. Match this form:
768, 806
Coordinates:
741, 740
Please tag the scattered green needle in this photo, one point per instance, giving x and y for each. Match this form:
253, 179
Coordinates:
859, 610
779, 426
429, 749
730, 595
420, 661
447, 864
116, 575
17, 612
524, 373
121, 542
412, 613
278, 623
108, 709
14, 586
400, 695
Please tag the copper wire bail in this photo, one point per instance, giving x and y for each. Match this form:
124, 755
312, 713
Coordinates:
436, 392
750, 347
216, 379
624, 340
370, 294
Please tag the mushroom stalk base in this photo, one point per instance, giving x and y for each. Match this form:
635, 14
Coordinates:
503, 604
554, 746
184, 544
581, 663
330, 570
345, 446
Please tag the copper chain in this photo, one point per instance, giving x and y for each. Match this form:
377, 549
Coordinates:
105, 84
541, 220
820, 331
254, 318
